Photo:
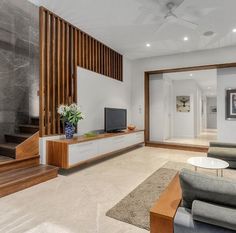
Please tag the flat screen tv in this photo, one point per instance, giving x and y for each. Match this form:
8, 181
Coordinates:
115, 119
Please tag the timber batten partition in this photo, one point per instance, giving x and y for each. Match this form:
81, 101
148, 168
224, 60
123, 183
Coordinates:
63, 47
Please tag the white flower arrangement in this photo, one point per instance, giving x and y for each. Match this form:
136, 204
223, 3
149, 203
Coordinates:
71, 113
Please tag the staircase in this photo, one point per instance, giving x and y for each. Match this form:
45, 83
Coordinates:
18, 172
8, 148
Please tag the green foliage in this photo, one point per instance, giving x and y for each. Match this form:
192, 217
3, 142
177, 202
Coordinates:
71, 114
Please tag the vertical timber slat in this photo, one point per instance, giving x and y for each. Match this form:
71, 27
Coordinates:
63, 47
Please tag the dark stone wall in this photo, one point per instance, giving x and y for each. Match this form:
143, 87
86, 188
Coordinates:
19, 63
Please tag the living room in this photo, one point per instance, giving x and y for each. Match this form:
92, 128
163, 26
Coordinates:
86, 141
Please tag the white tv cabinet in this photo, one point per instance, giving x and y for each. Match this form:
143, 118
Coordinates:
66, 153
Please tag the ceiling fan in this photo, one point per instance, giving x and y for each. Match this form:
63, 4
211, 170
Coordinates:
171, 16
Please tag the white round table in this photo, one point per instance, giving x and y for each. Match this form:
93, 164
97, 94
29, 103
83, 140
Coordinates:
208, 163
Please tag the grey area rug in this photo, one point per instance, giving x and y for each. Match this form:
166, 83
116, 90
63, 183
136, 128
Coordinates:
134, 208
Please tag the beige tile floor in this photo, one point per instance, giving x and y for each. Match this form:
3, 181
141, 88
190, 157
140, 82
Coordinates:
77, 203
204, 139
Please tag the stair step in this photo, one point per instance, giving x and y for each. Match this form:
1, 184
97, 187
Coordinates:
12, 164
30, 129
16, 138
34, 120
4, 159
8, 149
19, 179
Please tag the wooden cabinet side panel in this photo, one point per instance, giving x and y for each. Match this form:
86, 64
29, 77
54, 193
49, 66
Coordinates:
160, 224
57, 154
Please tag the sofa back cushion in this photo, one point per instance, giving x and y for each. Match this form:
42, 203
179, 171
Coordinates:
196, 186
214, 214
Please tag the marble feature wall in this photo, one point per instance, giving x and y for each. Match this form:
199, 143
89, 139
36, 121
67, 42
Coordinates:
19, 63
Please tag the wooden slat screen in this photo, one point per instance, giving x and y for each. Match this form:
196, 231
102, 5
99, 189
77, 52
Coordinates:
63, 47
58, 69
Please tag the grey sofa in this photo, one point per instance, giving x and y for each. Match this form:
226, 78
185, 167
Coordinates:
208, 204
224, 151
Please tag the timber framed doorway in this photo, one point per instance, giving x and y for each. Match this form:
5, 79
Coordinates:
147, 77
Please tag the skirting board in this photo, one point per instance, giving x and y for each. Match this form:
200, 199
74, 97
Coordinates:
175, 146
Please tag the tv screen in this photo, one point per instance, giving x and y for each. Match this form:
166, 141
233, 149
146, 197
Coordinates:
115, 119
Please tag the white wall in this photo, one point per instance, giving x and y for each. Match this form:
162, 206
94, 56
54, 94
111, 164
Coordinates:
184, 122
165, 121
226, 78
204, 114
157, 108
217, 56
211, 117
95, 92
198, 116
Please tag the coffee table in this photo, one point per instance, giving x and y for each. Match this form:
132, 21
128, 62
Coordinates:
208, 163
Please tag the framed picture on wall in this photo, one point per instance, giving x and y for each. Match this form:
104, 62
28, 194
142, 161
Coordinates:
183, 103
230, 104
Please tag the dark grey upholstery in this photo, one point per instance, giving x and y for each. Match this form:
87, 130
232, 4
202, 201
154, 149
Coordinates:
222, 144
224, 151
196, 186
184, 223
214, 214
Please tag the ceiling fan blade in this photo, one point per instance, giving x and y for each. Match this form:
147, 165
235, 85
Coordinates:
186, 23
160, 26
170, 14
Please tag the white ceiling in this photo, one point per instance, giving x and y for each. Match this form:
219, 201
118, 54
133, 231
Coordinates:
127, 25
206, 79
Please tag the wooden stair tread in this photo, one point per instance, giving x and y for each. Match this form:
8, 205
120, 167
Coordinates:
8, 145
21, 135
12, 164
17, 137
4, 159
29, 126
19, 175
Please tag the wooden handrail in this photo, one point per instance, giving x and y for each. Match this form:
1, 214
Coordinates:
163, 211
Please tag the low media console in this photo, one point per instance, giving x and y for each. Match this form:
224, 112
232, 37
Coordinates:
66, 154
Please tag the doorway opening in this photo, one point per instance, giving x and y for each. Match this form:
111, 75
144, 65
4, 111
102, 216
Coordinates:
164, 122
185, 105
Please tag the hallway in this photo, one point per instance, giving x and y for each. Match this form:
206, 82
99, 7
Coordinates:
207, 136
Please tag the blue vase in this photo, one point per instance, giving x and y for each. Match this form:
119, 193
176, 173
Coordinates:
69, 130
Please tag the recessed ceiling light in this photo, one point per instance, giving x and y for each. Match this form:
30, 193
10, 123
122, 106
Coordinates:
148, 45
191, 75
186, 38
234, 30
209, 88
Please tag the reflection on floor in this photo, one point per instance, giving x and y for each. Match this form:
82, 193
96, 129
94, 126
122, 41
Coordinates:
79, 201
207, 136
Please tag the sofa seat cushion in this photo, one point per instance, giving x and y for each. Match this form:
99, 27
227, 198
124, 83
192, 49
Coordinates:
222, 152
196, 186
184, 223
214, 214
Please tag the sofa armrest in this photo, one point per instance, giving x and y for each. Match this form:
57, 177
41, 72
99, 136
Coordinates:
163, 211
222, 144
214, 214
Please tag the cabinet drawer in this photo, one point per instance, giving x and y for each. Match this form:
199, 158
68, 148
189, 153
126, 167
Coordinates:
105, 146
138, 137
111, 144
82, 151
119, 142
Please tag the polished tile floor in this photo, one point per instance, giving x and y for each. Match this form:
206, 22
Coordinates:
77, 202
203, 139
